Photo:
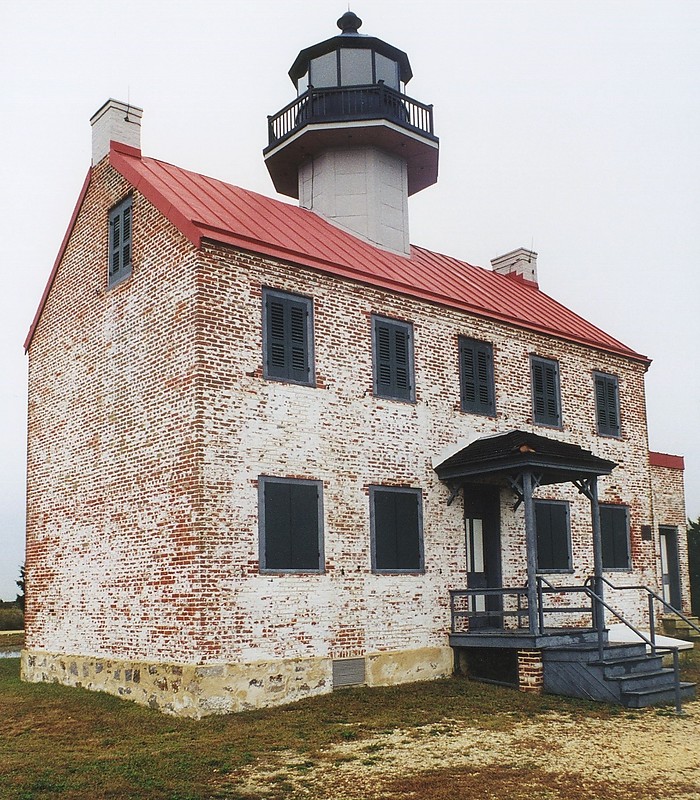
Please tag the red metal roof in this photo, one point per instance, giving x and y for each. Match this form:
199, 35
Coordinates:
205, 208
666, 460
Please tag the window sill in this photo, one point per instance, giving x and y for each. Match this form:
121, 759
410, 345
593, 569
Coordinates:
558, 427
409, 402
119, 281
275, 379
398, 572
557, 571
292, 571
475, 413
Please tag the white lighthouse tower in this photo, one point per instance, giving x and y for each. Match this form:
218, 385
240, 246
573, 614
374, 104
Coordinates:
353, 146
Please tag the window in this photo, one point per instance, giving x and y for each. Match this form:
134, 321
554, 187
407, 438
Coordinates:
287, 337
120, 242
396, 523
476, 376
553, 540
393, 359
546, 399
291, 527
607, 404
614, 530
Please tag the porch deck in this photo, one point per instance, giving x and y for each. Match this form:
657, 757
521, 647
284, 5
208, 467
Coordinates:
522, 639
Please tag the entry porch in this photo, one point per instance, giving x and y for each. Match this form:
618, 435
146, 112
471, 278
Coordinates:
542, 636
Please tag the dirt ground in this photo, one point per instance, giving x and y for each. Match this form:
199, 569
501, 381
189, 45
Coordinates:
637, 755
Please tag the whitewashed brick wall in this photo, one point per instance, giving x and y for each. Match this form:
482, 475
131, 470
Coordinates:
150, 424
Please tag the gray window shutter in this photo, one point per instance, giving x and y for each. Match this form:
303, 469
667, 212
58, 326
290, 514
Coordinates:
393, 359
291, 525
120, 242
476, 375
545, 392
552, 524
396, 529
288, 338
607, 405
614, 528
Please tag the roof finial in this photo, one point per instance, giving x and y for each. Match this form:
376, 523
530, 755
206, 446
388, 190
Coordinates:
349, 22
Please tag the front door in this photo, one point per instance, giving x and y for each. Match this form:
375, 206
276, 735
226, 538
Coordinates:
670, 573
482, 525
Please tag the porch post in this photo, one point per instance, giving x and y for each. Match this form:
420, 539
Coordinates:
531, 546
597, 553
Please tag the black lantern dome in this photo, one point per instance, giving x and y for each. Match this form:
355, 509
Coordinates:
350, 59
349, 94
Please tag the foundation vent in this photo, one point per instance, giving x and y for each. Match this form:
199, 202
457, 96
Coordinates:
348, 672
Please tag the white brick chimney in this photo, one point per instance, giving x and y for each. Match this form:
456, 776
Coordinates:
115, 122
520, 262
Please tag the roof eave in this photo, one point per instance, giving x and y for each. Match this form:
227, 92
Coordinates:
59, 258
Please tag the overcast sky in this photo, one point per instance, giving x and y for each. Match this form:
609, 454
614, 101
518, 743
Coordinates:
568, 126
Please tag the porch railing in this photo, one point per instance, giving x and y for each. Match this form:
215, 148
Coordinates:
463, 604
652, 598
464, 607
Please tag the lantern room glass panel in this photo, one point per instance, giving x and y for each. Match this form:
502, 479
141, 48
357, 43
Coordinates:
355, 67
303, 83
324, 71
387, 71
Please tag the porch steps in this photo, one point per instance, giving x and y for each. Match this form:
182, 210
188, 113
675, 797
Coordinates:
679, 629
626, 675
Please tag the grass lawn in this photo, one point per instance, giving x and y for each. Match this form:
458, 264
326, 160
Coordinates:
449, 738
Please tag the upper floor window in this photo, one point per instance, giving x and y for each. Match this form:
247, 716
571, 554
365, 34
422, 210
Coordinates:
553, 536
607, 404
287, 337
546, 397
614, 532
291, 525
396, 529
120, 242
393, 358
476, 376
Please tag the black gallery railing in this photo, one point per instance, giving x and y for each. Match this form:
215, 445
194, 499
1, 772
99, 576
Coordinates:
347, 103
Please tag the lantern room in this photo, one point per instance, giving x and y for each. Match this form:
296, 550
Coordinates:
351, 59
351, 93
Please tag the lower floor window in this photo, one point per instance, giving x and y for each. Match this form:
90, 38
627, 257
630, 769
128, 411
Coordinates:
291, 527
614, 532
553, 539
397, 529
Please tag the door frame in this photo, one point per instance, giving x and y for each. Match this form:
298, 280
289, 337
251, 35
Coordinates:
482, 543
670, 566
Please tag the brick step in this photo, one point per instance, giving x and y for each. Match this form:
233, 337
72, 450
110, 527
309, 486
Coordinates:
657, 697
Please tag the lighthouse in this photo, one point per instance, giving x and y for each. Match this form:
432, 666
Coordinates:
353, 146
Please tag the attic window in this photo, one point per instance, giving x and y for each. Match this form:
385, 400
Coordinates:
120, 242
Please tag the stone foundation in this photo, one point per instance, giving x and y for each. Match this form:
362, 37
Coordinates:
530, 671
192, 690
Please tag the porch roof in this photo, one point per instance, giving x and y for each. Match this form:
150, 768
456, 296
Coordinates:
496, 459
